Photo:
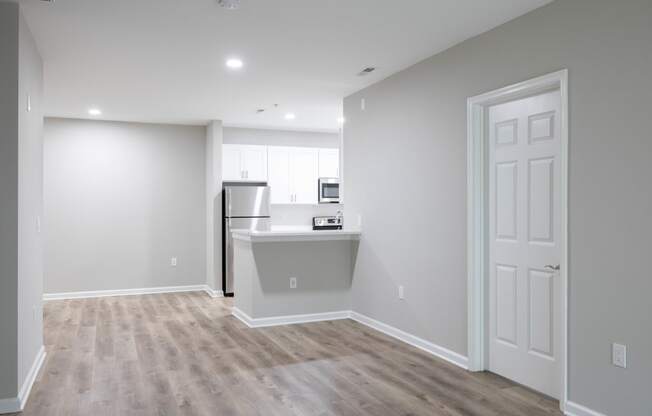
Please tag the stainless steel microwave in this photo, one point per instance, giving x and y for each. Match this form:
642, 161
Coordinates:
329, 190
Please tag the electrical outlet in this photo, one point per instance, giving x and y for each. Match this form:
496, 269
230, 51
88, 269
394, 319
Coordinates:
401, 292
363, 104
619, 355
173, 262
29, 103
293, 282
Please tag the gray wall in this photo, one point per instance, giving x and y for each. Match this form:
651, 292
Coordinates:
9, 200
21, 259
236, 135
30, 202
415, 123
121, 199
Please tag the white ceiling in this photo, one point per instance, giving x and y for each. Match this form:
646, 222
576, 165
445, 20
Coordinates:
163, 60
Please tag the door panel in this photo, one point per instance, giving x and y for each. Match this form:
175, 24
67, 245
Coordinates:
506, 294
524, 207
541, 175
506, 204
541, 299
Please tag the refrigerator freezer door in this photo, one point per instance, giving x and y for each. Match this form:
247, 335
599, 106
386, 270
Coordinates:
247, 201
254, 224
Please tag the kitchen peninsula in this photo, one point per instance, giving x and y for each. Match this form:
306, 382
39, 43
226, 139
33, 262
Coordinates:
293, 275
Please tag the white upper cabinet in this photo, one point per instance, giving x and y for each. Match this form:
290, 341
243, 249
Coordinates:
244, 163
304, 173
255, 162
279, 174
329, 163
293, 174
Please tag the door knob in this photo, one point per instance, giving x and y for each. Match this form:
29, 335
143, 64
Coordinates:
555, 268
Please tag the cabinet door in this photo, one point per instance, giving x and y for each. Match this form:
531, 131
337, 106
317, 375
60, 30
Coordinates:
329, 163
304, 171
279, 174
254, 161
232, 163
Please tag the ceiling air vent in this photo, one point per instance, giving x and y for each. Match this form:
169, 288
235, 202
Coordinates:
368, 70
229, 4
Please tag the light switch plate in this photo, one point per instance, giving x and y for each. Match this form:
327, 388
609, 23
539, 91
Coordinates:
293, 282
619, 355
173, 262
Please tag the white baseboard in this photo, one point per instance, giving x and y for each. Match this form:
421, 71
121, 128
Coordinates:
9, 405
427, 346
288, 319
17, 404
131, 292
574, 409
422, 344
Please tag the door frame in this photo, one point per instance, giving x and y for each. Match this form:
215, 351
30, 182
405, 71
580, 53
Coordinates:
478, 208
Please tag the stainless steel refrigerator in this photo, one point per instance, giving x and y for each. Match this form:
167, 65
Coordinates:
245, 207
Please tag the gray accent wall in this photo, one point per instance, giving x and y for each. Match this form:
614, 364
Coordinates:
9, 199
21, 259
122, 199
30, 201
410, 144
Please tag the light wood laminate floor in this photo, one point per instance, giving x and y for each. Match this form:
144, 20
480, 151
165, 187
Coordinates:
184, 354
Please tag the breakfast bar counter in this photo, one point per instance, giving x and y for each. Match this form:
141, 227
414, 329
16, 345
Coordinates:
290, 275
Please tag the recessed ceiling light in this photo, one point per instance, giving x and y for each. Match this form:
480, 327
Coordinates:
290, 116
95, 112
234, 63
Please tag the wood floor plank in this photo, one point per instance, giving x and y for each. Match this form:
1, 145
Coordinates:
184, 354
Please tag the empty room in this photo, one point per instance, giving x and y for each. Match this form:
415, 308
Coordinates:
329, 208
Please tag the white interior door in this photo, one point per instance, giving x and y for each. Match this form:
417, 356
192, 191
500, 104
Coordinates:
304, 173
232, 163
279, 175
255, 162
525, 296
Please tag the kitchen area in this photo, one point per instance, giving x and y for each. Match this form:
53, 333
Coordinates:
288, 251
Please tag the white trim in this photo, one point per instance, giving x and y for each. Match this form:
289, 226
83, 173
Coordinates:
9, 405
288, 319
131, 292
476, 212
427, 346
214, 293
23, 395
17, 404
574, 409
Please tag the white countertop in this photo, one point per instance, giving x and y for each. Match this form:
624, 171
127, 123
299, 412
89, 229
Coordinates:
295, 233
